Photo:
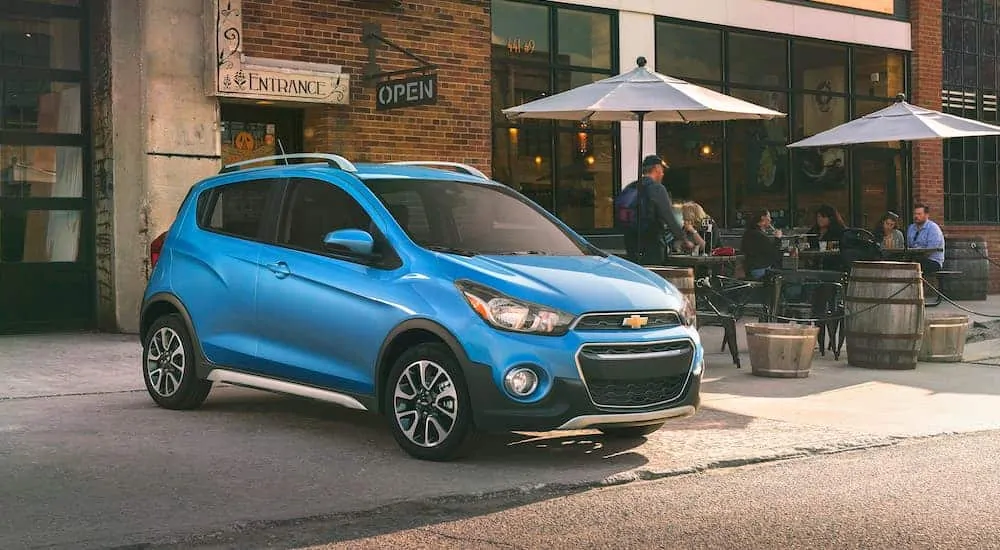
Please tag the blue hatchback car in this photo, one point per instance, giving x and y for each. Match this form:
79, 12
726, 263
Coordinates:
422, 291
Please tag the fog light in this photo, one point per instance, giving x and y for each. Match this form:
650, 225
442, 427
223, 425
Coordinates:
521, 382
698, 368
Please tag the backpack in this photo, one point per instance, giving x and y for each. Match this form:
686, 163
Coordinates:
627, 211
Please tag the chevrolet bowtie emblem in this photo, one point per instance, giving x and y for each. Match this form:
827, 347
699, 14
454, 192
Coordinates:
635, 321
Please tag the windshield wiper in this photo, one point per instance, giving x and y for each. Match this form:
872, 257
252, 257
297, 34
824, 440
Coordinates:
452, 250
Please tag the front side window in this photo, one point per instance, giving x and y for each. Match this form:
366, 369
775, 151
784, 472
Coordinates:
237, 209
472, 218
316, 208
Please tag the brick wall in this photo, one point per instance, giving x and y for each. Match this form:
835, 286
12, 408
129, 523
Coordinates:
928, 160
455, 36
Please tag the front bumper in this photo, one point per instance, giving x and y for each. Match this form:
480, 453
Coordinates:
567, 406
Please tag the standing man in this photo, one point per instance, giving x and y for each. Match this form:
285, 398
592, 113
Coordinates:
924, 233
646, 241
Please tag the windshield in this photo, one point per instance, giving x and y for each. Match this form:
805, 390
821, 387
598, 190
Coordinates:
472, 218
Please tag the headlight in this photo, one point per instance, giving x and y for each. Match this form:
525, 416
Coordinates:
506, 313
688, 315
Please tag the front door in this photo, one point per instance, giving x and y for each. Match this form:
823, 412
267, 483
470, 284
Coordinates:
47, 266
879, 185
251, 132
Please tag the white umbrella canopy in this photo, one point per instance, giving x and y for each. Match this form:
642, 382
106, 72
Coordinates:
641, 95
900, 121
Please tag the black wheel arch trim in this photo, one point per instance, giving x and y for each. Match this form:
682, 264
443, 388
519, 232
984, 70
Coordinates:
424, 324
202, 366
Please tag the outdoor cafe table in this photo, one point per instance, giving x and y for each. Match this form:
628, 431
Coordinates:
912, 254
704, 265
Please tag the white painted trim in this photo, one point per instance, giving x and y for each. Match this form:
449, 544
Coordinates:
637, 32
765, 15
280, 386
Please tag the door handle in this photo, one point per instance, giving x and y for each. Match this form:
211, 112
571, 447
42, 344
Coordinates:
280, 269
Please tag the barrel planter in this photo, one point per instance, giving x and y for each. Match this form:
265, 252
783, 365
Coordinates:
781, 350
944, 338
680, 277
968, 255
885, 315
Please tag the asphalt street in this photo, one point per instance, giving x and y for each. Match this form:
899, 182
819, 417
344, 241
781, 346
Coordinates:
931, 493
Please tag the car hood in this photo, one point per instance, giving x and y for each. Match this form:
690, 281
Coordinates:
575, 284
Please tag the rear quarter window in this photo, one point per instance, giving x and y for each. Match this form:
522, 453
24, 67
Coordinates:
235, 209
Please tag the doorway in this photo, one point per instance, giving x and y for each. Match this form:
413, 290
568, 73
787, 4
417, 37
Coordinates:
250, 131
879, 185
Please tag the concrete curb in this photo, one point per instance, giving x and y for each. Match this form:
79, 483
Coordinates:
978, 351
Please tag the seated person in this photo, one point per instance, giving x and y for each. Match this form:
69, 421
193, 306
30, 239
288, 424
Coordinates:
925, 233
888, 233
829, 228
692, 214
761, 246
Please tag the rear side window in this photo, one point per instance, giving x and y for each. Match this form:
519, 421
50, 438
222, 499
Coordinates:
237, 209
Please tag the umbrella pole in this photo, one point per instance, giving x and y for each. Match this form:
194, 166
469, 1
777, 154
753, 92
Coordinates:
641, 115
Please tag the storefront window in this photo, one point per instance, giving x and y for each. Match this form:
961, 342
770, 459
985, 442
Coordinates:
40, 43
689, 53
758, 60
564, 166
814, 87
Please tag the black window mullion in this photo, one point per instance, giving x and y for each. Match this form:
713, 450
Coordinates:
43, 203
16, 137
41, 73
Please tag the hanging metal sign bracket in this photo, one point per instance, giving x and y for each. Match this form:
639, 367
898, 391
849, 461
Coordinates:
371, 36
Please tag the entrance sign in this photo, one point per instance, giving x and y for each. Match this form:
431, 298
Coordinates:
229, 73
408, 92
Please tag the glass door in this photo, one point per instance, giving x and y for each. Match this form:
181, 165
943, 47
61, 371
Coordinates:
47, 277
252, 132
879, 185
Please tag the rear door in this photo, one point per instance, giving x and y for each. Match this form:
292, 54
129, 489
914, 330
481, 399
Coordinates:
323, 316
215, 267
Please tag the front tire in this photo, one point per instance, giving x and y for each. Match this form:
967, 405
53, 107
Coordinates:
632, 432
427, 404
168, 366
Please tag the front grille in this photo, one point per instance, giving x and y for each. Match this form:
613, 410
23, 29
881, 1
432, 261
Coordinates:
613, 321
636, 375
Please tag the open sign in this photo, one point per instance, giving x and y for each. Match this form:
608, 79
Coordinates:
407, 92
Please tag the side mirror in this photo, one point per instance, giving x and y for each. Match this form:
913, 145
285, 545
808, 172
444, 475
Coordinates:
354, 240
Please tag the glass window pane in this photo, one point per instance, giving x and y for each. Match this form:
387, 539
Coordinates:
956, 183
758, 60
879, 183
820, 176
239, 208
952, 34
758, 178
516, 84
315, 209
970, 37
971, 178
585, 179
952, 68
584, 39
58, 2
990, 179
40, 235
38, 172
819, 66
694, 154
815, 113
520, 31
972, 208
987, 40
567, 80
775, 130
989, 148
30, 42
688, 52
888, 66
40, 106
989, 212
864, 107
522, 159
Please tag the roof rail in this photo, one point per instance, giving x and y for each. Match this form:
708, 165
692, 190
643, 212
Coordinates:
435, 163
334, 161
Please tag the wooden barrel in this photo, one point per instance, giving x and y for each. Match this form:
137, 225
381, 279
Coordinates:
885, 315
680, 277
968, 255
781, 350
944, 338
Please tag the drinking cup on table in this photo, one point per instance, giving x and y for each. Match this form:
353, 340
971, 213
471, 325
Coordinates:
822, 246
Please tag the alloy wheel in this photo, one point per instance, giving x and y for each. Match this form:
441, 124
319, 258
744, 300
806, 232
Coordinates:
165, 362
425, 403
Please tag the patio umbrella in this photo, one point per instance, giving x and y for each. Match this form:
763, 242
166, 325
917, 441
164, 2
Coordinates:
641, 95
900, 121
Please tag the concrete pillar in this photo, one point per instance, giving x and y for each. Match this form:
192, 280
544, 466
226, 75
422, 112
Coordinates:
640, 30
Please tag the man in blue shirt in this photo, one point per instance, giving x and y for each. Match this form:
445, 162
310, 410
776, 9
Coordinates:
924, 233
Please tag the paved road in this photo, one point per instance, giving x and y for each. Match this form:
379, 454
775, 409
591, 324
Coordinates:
936, 493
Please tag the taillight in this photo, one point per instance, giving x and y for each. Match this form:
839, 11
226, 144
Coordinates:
155, 248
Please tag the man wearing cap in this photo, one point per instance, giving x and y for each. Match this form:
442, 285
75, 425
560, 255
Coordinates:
649, 248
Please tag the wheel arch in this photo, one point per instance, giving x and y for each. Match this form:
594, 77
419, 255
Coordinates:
164, 303
404, 336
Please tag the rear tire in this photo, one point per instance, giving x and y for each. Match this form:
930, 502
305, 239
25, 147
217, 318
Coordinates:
427, 404
168, 366
632, 432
